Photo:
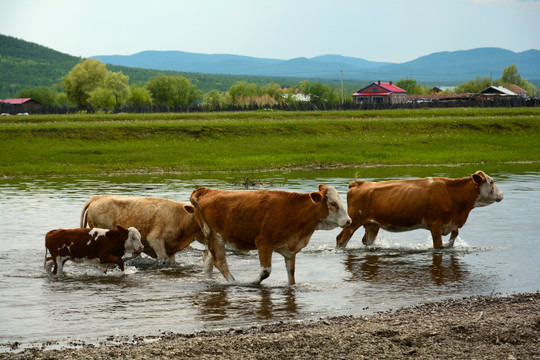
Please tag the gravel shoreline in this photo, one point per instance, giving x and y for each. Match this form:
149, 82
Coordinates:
490, 327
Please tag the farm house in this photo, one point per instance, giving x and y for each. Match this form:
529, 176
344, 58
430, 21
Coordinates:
380, 93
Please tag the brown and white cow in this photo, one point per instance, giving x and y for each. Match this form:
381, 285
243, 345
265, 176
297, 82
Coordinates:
440, 205
265, 221
108, 246
166, 226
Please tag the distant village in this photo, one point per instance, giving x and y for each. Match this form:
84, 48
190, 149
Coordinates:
377, 95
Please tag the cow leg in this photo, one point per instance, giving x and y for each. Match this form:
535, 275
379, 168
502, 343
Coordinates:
172, 250
109, 258
216, 247
453, 237
59, 265
345, 235
436, 235
290, 264
172, 259
371, 231
54, 266
265, 259
159, 247
208, 263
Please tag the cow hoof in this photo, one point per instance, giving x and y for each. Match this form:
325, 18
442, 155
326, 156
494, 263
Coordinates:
161, 262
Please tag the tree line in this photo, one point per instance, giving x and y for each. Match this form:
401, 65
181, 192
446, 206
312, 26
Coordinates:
510, 75
91, 85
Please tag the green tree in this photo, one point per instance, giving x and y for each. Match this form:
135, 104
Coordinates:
117, 83
473, 86
62, 100
411, 86
44, 95
241, 90
82, 79
510, 76
273, 90
102, 98
319, 93
139, 96
173, 90
213, 99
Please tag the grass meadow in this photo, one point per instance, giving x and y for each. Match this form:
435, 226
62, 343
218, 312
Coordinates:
39, 145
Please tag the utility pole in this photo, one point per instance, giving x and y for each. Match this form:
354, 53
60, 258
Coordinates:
341, 87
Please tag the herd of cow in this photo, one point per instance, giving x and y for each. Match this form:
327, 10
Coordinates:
264, 220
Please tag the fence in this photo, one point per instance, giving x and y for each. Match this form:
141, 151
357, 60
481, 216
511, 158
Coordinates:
299, 106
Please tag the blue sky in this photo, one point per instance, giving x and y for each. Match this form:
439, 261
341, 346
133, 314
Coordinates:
390, 30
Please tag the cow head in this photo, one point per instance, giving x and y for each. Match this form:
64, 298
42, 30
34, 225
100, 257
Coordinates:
488, 192
337, 214
133, 243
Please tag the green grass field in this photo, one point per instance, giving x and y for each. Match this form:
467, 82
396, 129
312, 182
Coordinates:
246, 141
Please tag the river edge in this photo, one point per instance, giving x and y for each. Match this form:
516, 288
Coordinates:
495, 327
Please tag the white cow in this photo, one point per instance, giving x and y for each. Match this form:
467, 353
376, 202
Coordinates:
166, 226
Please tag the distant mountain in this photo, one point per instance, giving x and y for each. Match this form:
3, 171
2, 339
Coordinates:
325, 66
465, 65
453, 67
25, 65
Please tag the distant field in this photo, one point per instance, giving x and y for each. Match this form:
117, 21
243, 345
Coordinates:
245, 141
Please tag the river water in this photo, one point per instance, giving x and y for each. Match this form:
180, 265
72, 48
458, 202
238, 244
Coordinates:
497, 252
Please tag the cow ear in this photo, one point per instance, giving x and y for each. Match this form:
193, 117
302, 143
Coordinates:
315, 197
121, 228
323, 190
190, 209
479, 177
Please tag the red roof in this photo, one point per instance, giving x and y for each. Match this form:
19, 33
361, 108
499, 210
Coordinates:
515, 89
16, 101
389, 87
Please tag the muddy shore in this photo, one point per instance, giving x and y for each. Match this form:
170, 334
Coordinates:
478, 327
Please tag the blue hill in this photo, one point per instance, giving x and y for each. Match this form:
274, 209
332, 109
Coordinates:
455, 66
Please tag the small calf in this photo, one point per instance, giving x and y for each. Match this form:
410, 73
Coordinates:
108, 246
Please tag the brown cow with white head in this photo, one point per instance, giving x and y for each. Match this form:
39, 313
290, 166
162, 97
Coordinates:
266, 221
166, 226
440, 205
107, 246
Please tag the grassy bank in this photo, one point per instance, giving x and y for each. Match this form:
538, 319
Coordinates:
93, 144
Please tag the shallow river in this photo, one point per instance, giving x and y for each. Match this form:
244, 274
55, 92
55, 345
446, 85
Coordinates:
497, 252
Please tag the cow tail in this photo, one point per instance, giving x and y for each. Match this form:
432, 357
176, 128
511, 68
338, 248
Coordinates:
84, 218
194, 198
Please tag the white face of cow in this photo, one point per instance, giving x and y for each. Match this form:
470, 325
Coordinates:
133, 243
489, 193
337, 214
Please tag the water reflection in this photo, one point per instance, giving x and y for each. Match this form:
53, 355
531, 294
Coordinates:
411, 269
244, 302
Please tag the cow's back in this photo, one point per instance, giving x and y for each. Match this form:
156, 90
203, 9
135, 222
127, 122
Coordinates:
74, 243
241, 216
403, 202
144, 213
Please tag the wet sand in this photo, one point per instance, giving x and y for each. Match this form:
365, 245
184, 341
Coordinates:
478, 327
